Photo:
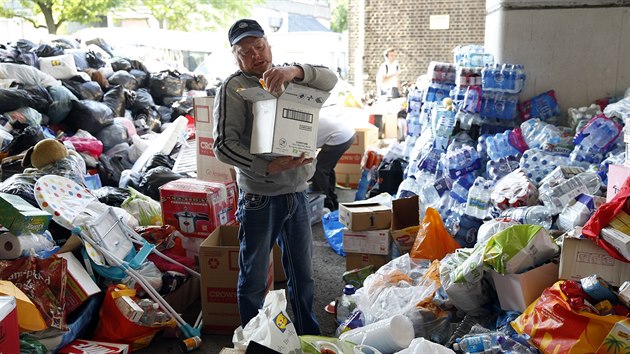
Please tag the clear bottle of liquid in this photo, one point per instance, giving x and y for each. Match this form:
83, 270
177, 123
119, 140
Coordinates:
478, 199
558, 197
408, 188
478, 344
531, 215
150, 309
345, 304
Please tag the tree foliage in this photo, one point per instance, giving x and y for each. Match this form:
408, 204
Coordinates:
51, 14
339, 15
196, 14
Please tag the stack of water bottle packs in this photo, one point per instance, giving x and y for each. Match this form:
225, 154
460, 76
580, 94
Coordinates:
512, 180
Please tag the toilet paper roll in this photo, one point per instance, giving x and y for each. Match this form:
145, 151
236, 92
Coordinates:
388, 336
12, 246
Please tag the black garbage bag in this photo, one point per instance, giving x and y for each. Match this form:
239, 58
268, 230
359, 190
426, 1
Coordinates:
115, 99
389, 175
157, 160
195, 81
121, 64
23, 140
182, 106
156, 177
147, 120
80, 59
61, 103
137, 65
100, 42
12, 99
66, 43
40, 98
46, 50
142, 77
84, 90
113, 163
23, 185
25, 46
113, 196
143, 100
10, 166
165, 114
124, 79
112, 135
171, 100
88, 115
94, 60
166, 83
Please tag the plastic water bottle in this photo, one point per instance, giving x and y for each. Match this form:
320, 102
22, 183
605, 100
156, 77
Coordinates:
150, 309
531, 215
499, 145
537, 133
346, 304
559, 196
478, 201
362, 187
478, 343
408, 188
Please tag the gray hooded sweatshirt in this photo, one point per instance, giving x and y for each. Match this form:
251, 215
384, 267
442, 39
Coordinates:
233, 120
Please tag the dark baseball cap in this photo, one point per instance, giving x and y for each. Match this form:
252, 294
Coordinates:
244, 28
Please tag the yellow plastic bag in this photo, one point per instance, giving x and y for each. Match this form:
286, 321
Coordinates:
554, 327
433, 241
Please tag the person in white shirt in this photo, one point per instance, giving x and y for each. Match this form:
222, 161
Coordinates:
334, 137
387, 77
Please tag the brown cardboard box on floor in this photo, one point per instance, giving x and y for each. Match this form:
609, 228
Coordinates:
360, 260
365, 215
218, 258
405, 222
348, 169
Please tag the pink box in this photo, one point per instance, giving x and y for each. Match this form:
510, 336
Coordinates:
198, 207
10, 338
617, 174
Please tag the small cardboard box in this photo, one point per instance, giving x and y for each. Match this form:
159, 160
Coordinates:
619, 240
286, 125
618, 339
517, 291
218, 258
197, 207
371, 242
82, 346
365, 215
405, 222
617, 175
20, 217
350, 162
10, 339
360, 260
209, 168
79, 285
580, 258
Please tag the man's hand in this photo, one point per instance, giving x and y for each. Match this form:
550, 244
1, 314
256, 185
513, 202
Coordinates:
284, 163
276, 77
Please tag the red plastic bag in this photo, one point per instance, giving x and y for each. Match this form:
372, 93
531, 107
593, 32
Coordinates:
602, 217
114, 327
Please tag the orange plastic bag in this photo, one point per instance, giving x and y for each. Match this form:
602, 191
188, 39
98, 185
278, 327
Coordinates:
433, 241
114, 327
554, 327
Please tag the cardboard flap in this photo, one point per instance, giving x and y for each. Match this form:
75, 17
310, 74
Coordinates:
305, 95
405, 213
256, 94
366, 207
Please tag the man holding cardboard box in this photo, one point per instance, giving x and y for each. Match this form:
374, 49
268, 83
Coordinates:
273, 204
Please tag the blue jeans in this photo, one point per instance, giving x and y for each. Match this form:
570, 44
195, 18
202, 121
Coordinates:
265, 220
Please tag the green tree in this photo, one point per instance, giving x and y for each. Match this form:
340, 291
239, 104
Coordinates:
339, 15
56, 12
196, 14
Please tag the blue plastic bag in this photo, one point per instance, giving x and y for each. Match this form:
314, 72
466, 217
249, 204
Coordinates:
333, 230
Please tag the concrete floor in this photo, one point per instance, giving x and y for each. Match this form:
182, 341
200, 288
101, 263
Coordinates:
329, 268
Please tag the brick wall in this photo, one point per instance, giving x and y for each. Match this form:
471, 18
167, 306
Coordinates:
404, 25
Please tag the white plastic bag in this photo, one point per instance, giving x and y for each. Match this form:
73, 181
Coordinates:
271, 327
422, 345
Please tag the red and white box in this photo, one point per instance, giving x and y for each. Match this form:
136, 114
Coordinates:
10, 335
197, 207
82, 346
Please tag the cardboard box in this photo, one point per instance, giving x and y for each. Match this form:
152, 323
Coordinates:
350, 180
218, 257
82, 346
371, 242
20, 217
79, 284
517, 291
618, 339
209, 168
350, 162
405, 222
360, 260
285, 125
129, 308
580, 258
365, 215
197, 207
10, 338
619, 240
185, 296
617, 175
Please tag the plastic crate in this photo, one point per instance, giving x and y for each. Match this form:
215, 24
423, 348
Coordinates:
316, 204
